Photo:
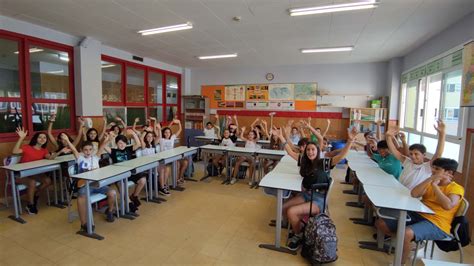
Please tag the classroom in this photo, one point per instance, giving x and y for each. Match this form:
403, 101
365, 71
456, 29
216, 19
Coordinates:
236, 132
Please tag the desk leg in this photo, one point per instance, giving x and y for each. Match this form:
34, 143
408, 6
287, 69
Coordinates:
276, 246
55, 184
125, 201
190, 161
61, 186
227, 169
205, 161
16, 216
90, 218
357, 204
154, 179
397, 260
174, 177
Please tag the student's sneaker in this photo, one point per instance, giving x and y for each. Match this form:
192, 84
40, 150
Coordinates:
135, 200
294, 242
109, 216
132, 207
36, 199
31, 209
164, 191
386, 237
233, 181
84, 228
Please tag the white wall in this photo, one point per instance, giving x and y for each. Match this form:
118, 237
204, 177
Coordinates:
363, 79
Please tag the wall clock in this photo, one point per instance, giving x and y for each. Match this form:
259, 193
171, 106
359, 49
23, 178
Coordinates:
269, 76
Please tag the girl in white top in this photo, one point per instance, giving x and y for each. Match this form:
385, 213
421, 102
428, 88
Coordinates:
166, 139
250, 143
228, 141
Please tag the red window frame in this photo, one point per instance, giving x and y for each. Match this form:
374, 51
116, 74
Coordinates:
26, 99
147, 104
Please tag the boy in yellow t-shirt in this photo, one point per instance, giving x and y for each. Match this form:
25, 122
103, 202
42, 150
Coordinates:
442, 195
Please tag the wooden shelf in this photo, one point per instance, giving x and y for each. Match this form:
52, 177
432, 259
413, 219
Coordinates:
195, 110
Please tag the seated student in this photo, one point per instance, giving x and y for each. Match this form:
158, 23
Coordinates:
213, 130
35, 150
219, 159
415, 169
286, 143
166, 139
250, 143
233, 127
295, 135
386, 161
93, 136
124, 153
439, 193
313, 170
87, 161
260, 128
275, 144
60, 145
117, 131
314, 138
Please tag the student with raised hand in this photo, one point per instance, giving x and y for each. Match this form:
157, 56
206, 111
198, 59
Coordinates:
59, 144
314, 170
93, 136
233, 126
296, 132
402, 146
415, 168
87, 160
386, 160
275, 144
124, 153
250, 143
213, 130
285, 140
226, 140
439, 193
35, 150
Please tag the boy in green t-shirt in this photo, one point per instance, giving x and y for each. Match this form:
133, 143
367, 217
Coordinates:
386, 161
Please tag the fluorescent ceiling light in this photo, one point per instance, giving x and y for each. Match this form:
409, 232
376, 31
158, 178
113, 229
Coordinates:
107, 65
55, 72
32, 50
333, 8
217, 56
328, 49
64, 57
186, 26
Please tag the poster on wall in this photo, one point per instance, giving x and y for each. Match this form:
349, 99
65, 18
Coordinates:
215, 95
235, 93
305, 91
257, 93
467, 94
256, 105
281, 91
282, 105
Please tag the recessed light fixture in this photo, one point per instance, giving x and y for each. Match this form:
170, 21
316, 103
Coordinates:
185, 26
217, 56
32, 50
327, 49
107, 65
333, 8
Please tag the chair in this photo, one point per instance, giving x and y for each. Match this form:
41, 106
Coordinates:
12, 160
138, 153
94, 197
462, 211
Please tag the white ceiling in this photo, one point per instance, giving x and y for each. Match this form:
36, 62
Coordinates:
266, 35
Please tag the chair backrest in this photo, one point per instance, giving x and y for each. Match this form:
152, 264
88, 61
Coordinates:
463, 207
72, 170
138, 153
11, 160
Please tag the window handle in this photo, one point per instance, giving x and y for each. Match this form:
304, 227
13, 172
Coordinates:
436, 112
422, 112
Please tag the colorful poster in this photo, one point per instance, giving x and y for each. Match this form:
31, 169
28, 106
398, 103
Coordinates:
282, 105
467, 94
257, 92
305, 91
215, 95
235, 93
281, 91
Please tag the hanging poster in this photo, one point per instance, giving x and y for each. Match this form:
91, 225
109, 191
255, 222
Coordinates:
215, 95
281, 91
256, 105
235, 93
467, 94
305, 91
257, 92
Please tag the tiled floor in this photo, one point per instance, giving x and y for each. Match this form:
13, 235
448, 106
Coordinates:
207, 224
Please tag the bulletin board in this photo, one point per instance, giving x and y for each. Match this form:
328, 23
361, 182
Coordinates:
288, 97
467, 95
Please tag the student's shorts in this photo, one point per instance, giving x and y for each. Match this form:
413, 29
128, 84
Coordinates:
137, 177
423, 229
318, 198
93, 190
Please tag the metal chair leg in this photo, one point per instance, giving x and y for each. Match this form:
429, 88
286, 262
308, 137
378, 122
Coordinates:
432, 249
415, 254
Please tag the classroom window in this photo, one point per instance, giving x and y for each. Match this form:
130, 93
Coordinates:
134, 91
35, 82
426, 99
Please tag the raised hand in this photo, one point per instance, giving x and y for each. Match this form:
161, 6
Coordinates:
441, 127
328, 121
392, 131
264, 122
243, 129
118, 119
81, 121
287, 131
152, 118
52, 118
64, 138
137, 120
176, 121
276, 131
65, 150
352, 133
130, 132
402, 136
21, 132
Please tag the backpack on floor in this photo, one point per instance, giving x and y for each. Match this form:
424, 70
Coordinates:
242, 172
211, 169
319, 239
